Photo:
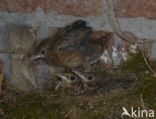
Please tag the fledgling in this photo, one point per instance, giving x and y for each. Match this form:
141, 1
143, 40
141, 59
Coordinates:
106, 81
93, 80
68, 82
71, 35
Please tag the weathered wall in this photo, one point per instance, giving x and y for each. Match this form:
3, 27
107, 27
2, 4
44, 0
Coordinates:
137, 17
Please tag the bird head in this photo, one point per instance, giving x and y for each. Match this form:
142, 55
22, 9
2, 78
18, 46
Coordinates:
68, 79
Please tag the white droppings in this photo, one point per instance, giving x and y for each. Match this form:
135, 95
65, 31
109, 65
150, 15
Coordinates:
105, 57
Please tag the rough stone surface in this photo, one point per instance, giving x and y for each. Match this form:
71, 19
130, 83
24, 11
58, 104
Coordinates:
141, 27
65, 7
136, 8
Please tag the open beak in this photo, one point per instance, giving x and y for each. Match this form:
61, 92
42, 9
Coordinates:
37, 57
80, 76
62, 77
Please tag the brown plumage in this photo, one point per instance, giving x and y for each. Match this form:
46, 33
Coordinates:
72, 46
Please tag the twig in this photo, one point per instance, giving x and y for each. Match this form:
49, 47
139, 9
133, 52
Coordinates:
67, 115
32, 30
116, 27
142, 101
148, 65
118, 31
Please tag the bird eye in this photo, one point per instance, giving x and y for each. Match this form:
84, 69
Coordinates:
90, 78
43, 52
72, 78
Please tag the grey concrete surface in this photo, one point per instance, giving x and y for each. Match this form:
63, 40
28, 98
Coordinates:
141, 27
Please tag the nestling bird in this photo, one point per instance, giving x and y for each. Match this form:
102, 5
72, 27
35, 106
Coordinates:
91, 79
75, 48
72, 47
68, 82
105, 80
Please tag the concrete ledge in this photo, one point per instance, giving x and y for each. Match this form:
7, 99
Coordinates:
141, 27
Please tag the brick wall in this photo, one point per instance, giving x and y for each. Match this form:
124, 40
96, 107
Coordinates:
62, 7
136, 8
124, 8
137, 17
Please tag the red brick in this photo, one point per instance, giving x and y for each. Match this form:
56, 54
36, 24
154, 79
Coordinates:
136, 8
65, 7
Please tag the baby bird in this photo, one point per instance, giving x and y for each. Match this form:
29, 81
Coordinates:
72, 47
65, 38
90, 79
68, 82
106, 81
